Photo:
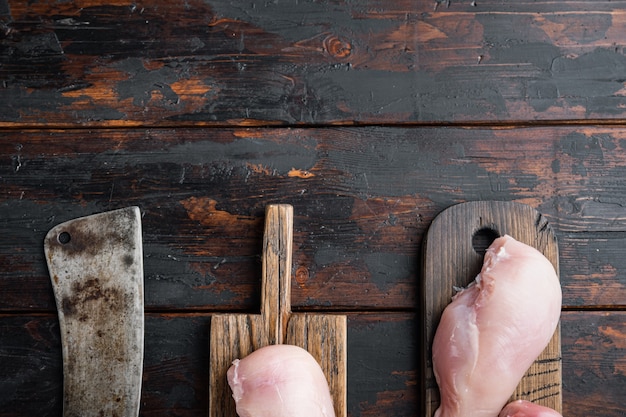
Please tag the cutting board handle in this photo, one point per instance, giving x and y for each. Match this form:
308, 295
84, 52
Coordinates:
276, 274
235, 336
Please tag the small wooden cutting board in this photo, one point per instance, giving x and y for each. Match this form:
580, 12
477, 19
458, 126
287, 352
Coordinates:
452, 257
234, 336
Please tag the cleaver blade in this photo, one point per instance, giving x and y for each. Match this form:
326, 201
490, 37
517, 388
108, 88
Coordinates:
96, 268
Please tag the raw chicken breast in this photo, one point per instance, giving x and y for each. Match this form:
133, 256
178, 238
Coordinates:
494, 329
521, 408
280, 381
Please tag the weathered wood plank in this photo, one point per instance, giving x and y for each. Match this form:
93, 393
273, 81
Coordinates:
123, 63
363, 199
594, 363
177, 365
594, 269
382, 365
363, 196
31, 372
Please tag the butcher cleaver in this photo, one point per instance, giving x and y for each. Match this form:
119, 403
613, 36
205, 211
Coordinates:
96, 268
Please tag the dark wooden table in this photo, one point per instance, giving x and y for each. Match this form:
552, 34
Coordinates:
369, 117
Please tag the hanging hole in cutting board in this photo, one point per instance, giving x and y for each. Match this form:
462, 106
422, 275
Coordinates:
64, 238
482, 238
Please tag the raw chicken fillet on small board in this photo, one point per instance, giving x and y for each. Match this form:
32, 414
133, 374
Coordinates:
453, 254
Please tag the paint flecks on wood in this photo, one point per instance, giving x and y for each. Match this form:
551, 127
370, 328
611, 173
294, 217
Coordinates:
359, 219
195, 62
392, 112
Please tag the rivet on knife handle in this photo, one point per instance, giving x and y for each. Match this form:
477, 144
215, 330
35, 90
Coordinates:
96, 268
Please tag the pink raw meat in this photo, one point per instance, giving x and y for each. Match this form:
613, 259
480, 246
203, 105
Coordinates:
493, 330
521, 408
280, 381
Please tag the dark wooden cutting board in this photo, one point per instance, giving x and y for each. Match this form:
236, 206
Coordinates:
452, 256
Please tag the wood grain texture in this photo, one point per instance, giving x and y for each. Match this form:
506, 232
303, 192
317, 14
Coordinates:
324, 336
234, 336
594, 362
110, 103
162, 62
452, 258
175, 381
363, 198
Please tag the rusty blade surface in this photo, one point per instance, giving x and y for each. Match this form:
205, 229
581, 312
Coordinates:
96, 268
